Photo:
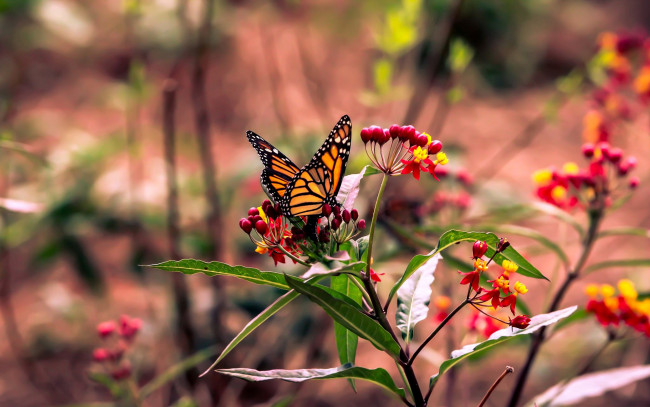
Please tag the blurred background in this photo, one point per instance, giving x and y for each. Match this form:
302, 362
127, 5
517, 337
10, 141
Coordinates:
109, 108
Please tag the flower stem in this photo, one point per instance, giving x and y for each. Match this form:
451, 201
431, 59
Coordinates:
438, 328
373, 223
595, 218
412, 381
495, 384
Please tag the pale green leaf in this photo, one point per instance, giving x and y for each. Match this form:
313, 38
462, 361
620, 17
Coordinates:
378, 376
414, 296
536, 322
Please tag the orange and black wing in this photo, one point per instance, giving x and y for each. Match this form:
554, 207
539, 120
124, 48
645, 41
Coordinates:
278, 169
319, 181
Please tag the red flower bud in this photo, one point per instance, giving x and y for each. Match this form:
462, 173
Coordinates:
100, 354
520, 321
479, 249
327, 210
265, 204
253, 211
604, 148
395, 131
631, 162
386, 136
362, 224
324, 236
408, 134
336, 223
588, 150
366, 135
270, 212
421, 140
255, 219
336, 210
106, 329
615, 155
346, 216
435, 147
121, 372
261, 227
129, 326
634, 182
377, 133
354, 214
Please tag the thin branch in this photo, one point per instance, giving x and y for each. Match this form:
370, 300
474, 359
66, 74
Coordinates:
495, 384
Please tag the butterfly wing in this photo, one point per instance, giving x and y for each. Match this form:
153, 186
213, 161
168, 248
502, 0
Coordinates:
278, 169
319, 181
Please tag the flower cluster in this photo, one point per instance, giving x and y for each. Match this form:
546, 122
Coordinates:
118, 338
338, 225
626, 307
503, 294
269, 230
593, 186
402, 150
620, 67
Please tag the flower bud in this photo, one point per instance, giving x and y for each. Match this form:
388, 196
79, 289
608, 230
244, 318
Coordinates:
270, 212
395, 131
129, 326
408, 134
377, 133
253, 211
323, 236
615, 155
255, 219
336, 223
435, 147
503, 244
327, 210
354, 214
245, 225
631, 162
366, 135
261, 227
336, 210
422, 140
588, 150
386, 137
479, 249
106, 329
634, 182
520, 321
362, 224
121, 372
100, 354
604, 148
266, 204
346, 216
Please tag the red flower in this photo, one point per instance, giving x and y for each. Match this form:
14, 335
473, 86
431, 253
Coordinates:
375, 276
492, 295
471, 278
511, 301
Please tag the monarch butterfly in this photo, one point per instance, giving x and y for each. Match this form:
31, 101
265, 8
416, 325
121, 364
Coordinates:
304, 191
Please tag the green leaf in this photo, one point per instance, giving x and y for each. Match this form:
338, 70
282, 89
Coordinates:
617, 263
535, 235
350, 186
346, 340
176, 370
215, 268
413, 298
641, 232
456, 236
348, 316
536, 322
378, 376
590, 385
107, 381
262, 317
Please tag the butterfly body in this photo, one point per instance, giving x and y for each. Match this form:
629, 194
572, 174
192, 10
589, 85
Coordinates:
304, 191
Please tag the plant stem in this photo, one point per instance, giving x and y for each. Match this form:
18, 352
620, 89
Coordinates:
292, 257
373, 223
438, 328
361, 288
595, 218
495, 384
379, 311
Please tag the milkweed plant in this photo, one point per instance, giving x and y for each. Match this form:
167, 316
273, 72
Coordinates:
335, 248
